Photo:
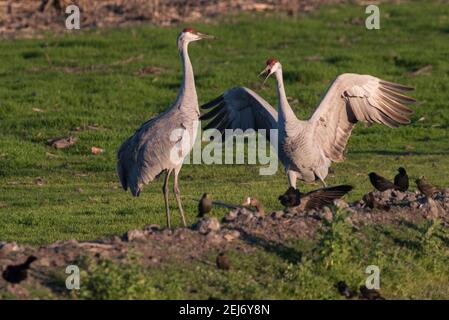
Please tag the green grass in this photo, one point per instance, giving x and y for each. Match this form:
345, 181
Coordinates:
412, 261
84, 78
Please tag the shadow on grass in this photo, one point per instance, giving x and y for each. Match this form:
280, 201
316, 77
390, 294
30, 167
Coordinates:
422, 230
401, 153
407, 243
287, 253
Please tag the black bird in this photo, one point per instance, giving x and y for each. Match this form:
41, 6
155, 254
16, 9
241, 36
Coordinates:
223, 261
345, 290
380, 183
426, 188
401, 180
370, 294
291, 198
18, 273
315, 199
204, 205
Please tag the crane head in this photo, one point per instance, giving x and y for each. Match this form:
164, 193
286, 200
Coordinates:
189, 35
272, 65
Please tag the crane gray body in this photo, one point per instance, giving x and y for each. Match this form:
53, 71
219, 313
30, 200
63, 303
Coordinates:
308, 148
161, 143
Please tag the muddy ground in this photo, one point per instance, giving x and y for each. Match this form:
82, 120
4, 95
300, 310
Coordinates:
239, 230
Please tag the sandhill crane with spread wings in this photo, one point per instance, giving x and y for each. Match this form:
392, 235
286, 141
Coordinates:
307, 148
149, 152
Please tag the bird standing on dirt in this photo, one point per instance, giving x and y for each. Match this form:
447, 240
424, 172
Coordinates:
307, 148
162, 142
401, 180
380, 183
315, 199
426, 188
345, 290
372, 203
256, 203
434, 209
18, 273
291, 198
370, 294
204, 205
223, 261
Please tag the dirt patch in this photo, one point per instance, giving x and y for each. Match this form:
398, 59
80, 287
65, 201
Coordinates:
240, 230
26, 18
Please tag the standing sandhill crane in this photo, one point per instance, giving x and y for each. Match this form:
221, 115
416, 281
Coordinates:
307, 148
148, 153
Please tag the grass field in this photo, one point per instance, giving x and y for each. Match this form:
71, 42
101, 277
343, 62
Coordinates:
62, 84
91, 78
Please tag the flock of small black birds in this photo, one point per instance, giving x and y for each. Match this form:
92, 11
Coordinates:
365, 293
17, 273
401, 183
317, 199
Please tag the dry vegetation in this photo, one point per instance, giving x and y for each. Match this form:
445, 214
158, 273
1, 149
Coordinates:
23, 18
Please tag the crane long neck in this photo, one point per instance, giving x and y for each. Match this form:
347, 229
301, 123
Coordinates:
187, 91
285, 111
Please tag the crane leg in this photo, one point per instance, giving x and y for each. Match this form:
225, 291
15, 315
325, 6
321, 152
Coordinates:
324, 183
165, 191
291, 175
177, 193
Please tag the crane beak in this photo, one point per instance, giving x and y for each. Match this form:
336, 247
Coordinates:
206, 36
266, 73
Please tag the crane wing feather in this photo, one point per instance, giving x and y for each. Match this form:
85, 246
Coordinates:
352, 98
240, 108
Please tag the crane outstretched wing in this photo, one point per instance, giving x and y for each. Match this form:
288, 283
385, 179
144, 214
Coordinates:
351, 98
240, 108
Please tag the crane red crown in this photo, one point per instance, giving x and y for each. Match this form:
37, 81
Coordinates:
271, 61
191, 30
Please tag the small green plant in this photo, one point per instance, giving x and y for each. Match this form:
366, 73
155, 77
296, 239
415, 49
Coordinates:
429, 238
107, 280
338, 246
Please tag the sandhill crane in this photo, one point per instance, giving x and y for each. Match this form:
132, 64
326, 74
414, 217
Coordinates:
307, 148
148, 153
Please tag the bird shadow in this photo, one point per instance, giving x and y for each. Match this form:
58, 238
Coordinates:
55, 282
285, 252
422, 230
407, 243
400, 153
